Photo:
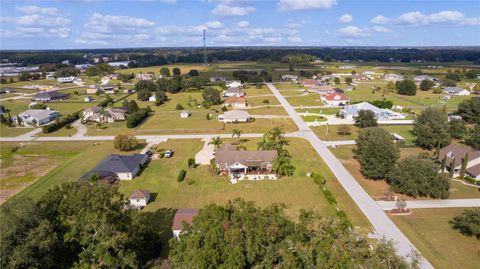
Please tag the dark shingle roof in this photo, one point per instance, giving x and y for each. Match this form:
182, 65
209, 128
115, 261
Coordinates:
50, 95
119, 163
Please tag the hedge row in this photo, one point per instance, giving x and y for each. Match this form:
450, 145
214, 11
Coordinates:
320, 181
60, 122
181, 175
134, 119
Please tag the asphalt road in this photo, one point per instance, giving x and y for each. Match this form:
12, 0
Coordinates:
382, 224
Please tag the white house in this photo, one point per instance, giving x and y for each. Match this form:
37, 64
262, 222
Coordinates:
183, 215
456, 91
233, 84
139, 198
234, 116
184, 114
36, 116
88, 99
289, 77
351, 111
424, 77
234, 92
65, 79
335, 99
393, 77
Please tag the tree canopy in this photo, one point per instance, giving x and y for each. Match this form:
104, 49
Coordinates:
468, 222
417, 176
242, 235
470, 110
406, 87
431, 128
365, 119
376, 152
211, 96
80, 225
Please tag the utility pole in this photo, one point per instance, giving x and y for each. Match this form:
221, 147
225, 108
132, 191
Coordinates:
205, 61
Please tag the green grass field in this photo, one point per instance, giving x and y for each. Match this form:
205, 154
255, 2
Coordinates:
326, 110
11, 132
430, 232
70, 162
287, 86
184, 68
260, 101
251, 90
333, 134
311, 99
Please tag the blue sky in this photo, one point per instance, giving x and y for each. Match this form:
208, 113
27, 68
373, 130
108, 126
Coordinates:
158, 23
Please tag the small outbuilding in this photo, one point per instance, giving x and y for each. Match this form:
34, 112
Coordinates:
139, 198
184, 114
183, 215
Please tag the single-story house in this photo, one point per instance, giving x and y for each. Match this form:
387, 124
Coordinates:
49, 96
125, 167
236, 102
245, 164
234, 116
351, 111
88, 99
361, 77
393, 77
184, 114
457, 152
6, 90
233, 84
147, 76
324, 89
335, 99
234, 92
309, 82
91, 90
117, 113
456, 91
65, 79
216, 79
108, 89
139, 198
289, 77
183, 215
49, 76
36, 116
424, 77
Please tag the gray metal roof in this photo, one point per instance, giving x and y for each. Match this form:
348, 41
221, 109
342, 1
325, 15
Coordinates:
119, 163
50, 95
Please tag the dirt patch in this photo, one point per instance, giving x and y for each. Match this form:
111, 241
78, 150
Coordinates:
23, 171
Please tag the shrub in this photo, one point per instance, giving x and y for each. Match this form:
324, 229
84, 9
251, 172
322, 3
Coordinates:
406, 87
59, 123
467, 223
365, 119
134, 119
125, 142
191, 163
266, 101
179, 107
181, 175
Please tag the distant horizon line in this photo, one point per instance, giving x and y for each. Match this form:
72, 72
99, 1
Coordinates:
247, 47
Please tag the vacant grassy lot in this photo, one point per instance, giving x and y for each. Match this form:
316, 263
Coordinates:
313, 118
326, 110
380, 187
292, 93
268, 110
287, 86
43, 165
312, 99
251, 90
430, 232
260, 101
333, 132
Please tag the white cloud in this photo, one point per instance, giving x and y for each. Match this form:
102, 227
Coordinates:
214, 24
345, 18
243, 24
37, 20
380, 19
285, 5
109, 23
36, 25
168, 1
31, 9
445, 17
381, 29
354, 31
294, 39
224, 10
272, 39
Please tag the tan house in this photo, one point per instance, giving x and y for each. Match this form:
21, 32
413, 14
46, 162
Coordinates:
98, 114
236, 102
234, 116
245, 164
457, 152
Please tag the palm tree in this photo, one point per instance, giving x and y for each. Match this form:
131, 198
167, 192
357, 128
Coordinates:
216, 141
282, 165
237, 133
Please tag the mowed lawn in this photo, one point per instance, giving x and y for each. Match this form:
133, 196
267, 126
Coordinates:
443, 247
201, 188
378, 188
12, 131
70, 160
312, 99
331, 132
